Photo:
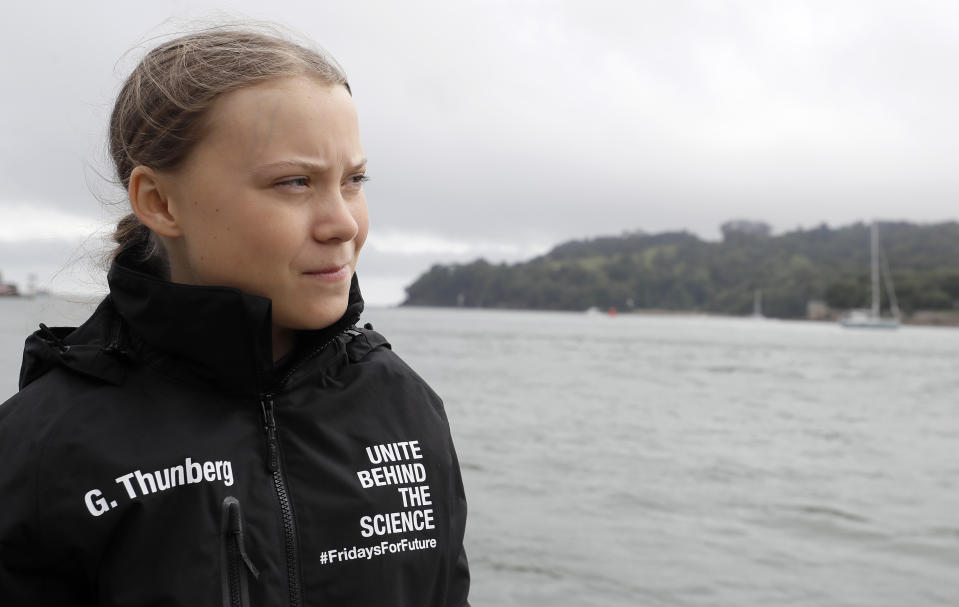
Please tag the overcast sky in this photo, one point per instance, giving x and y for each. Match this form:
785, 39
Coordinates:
499, 129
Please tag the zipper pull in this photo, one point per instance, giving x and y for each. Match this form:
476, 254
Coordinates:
269, 425
235, 527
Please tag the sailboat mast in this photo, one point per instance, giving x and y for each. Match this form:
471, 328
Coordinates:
875, 269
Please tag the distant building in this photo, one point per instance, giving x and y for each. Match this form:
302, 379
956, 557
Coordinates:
818, 310
7, 289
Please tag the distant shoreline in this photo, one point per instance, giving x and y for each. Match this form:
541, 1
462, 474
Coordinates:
920, 318
70, 297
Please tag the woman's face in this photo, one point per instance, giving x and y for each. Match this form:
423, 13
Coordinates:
271, 200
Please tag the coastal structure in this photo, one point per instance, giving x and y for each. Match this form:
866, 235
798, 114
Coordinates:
8, 289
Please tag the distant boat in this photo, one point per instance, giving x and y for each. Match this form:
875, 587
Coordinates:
872, 318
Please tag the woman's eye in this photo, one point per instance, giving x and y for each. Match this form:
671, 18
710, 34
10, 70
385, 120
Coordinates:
359, 179
294, 182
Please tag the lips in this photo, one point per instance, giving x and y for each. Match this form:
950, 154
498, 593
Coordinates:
330, 273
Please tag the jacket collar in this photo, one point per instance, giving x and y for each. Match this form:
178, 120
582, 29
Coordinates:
219, 333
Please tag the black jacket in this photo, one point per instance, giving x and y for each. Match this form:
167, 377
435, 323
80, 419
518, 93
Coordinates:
154, 456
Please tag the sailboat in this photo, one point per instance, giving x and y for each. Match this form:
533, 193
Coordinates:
758, 305
871, 318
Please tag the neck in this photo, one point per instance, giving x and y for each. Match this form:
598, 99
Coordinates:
283, 340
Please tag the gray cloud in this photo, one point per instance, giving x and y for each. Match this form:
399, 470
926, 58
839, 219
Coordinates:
497, 123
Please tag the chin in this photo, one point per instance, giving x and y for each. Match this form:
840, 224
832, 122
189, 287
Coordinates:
306, 318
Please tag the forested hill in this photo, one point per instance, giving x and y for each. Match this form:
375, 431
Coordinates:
678, 271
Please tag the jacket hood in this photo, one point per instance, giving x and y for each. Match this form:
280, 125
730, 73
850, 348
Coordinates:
93, 349
221, 334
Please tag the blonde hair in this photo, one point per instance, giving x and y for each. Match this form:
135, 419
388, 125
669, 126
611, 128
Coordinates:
160, 110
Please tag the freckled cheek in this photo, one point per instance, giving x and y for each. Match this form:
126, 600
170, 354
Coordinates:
268, 241
224, 240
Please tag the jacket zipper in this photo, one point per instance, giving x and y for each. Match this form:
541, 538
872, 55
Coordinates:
350, 326
234, 561
279, 480
283, 495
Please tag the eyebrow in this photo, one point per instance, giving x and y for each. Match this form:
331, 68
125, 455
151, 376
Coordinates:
306, 166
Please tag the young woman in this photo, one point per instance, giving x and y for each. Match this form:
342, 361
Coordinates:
220, 432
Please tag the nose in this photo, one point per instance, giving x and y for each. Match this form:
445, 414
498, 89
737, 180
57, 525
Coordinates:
333, 219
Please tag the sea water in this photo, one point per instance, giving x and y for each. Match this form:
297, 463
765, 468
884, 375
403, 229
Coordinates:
677, 460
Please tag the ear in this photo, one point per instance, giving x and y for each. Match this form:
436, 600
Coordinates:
150, 203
